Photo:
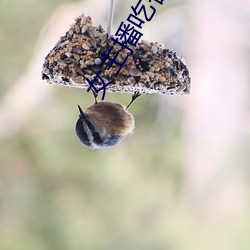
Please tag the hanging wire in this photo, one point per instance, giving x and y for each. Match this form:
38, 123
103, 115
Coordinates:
110, 15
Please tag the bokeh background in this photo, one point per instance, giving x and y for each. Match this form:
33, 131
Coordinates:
180, 182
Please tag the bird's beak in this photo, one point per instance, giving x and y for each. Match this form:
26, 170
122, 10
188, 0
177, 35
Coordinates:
82, 115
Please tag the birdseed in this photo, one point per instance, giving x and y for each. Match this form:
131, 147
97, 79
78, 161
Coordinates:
150, 69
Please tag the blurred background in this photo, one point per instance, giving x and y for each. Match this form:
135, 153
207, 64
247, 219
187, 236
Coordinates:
180, 182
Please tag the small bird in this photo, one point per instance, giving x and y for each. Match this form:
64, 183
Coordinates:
104, 124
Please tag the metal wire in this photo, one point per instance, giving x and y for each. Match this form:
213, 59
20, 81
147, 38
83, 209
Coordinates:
110, 16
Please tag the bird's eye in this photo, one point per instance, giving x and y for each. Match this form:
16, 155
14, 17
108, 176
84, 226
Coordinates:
88, 57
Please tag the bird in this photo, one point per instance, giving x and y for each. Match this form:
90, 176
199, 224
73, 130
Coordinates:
104, 124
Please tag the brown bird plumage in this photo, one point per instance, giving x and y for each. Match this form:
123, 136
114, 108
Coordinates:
110, 117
